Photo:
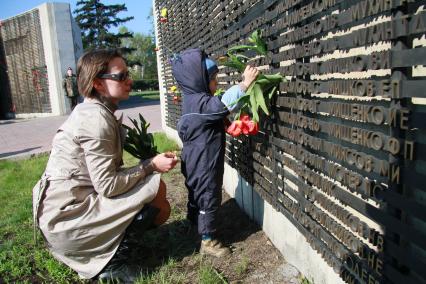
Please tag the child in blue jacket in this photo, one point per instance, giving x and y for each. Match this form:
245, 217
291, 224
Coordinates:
202, 131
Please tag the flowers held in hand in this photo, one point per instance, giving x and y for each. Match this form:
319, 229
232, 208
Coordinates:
259, 94
235, 128
245, 125
139, 143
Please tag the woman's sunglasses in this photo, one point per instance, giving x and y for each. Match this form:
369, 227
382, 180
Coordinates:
122, 76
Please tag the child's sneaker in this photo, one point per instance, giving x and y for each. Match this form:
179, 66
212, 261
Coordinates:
214, 247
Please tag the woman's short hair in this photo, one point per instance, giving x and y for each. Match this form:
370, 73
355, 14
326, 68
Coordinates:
90, 65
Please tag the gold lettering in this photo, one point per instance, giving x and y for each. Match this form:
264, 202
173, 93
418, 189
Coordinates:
379, 266
395, 173
377, 115
408, 150
364, 274
404, 119
419, 26
380, 242
392, 117
393, 145
371, 259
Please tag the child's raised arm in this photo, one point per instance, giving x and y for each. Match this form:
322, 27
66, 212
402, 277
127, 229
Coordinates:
230, 97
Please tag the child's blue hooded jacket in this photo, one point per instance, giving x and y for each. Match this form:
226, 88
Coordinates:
202, 131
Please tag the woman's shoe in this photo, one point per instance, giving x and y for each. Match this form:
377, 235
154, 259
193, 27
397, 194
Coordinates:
120, 272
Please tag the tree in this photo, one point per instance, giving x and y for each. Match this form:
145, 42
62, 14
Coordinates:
95, 19
143, 53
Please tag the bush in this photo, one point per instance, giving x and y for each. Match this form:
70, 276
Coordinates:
146, 84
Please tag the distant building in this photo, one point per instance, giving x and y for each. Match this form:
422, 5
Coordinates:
36, 48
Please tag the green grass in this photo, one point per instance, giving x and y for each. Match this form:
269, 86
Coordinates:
207, 274
166, 274
148, 95
242, 266
20, 260
163, 144
304, 280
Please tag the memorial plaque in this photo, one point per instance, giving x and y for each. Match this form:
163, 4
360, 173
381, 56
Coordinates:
341, 155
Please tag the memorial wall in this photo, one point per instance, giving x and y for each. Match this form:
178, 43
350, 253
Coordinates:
342, 155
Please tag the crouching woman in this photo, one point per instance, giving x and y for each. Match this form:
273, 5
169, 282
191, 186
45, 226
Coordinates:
90, 210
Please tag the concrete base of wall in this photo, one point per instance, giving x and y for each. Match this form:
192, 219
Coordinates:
172, 134
34, 115
282, 233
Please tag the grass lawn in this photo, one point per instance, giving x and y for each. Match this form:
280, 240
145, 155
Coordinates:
169, 252
147, 95
20, 259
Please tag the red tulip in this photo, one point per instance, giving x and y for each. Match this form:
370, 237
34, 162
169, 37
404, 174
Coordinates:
244, 128
235, 128
253, 127
163, 20
244, 117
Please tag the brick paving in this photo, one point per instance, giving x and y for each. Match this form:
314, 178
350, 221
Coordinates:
20, 138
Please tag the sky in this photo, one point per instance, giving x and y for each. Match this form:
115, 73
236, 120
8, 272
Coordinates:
140, 9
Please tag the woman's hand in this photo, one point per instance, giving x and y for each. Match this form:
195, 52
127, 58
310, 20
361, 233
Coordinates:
249, 75
164, 162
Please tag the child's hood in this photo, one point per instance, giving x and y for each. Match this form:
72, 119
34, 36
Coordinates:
190, 72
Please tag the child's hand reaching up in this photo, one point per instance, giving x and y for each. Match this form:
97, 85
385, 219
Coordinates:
249, 75
231, 96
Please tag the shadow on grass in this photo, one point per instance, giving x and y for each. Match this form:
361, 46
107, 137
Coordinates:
177, 240
9, 154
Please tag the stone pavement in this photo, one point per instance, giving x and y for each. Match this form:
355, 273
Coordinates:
20, 138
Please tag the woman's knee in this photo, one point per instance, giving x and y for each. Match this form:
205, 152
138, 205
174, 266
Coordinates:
164, 213
162, 190
160, 202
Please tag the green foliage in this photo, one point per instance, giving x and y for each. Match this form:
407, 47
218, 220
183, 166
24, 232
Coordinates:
147, 84
95, 18
242, 266
167, 274
219, 92
143, 53
139, 143
304, 280
207, 274
235, 62
164, 143
147, 96
261, 91
20, 259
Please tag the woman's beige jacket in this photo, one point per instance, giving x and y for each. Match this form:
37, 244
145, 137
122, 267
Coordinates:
85, 200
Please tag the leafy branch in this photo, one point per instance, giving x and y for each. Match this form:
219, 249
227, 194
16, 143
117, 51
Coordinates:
261, 91
139, 143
